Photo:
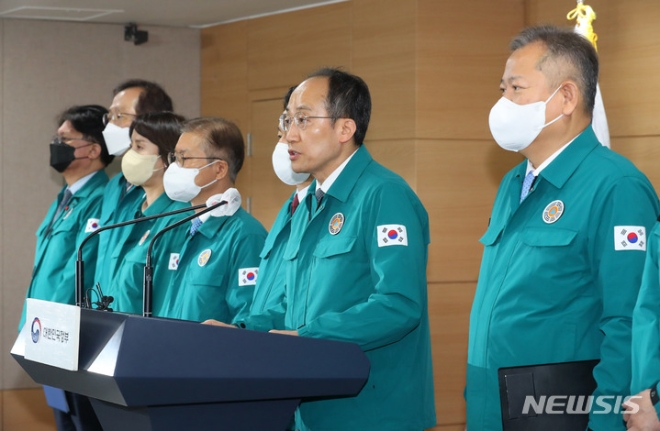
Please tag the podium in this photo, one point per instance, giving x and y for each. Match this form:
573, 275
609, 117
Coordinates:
152, 374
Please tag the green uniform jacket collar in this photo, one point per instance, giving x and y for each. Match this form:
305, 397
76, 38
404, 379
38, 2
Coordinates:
213, 224
563, 167
343, 185
160, 205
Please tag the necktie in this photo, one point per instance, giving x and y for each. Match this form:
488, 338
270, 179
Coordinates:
319, 196
60, 207
527, 185
294, 204
196, 223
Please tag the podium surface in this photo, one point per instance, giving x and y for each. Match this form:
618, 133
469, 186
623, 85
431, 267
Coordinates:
161, 374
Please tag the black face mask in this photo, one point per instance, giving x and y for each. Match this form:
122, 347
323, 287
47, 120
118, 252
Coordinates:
62, 155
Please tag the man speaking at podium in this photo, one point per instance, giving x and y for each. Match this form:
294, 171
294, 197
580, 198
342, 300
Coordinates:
356, 261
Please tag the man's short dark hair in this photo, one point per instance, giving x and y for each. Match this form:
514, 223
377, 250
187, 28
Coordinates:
88, 120
573, 50
222, 138
348, 97
152, 99
161, 128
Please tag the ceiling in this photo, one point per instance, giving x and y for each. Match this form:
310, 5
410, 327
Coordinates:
178, 13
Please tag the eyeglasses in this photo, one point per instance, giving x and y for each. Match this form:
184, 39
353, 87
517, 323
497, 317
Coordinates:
116, 116
180, 160
299, 118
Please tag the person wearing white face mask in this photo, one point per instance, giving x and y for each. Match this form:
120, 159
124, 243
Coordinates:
122, 199
218, 262
565, 223
153, 137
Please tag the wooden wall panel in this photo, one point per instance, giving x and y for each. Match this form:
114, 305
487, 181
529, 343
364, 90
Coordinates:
397, 155
461, 51
25, 409
449, 311
644, 152
460, 427
384, 56
628, 49
224, 72
284, 48
224, 84
457, 182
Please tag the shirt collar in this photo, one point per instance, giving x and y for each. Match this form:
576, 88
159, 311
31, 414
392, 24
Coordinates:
333, 176
302, 193
570, 158
547, 161
80, 183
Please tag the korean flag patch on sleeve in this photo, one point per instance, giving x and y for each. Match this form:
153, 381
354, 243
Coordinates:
92, 225
630, 238
391, 234
247, 276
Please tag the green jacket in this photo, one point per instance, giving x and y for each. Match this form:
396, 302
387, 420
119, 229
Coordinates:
129, 258
558, 279
269, 302
121, 200
53, 273
218, 269
646, 322
356, 272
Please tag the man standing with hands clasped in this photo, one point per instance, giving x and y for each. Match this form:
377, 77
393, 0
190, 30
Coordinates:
566, 243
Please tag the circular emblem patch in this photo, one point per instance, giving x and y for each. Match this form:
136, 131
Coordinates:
336, 223
204, 257
553, 211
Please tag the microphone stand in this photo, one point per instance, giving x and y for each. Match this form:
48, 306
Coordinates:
80, 266
148, 281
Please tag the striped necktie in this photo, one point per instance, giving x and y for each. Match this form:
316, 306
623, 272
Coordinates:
60, 207
295, 203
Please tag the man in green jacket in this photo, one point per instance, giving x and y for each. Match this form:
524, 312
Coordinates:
567, 238
356, 261
80, 155
643, 410
217, 265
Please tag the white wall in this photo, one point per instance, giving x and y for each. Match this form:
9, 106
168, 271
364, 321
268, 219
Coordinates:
45, 67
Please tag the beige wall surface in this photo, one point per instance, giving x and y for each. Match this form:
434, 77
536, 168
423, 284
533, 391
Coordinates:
45, 67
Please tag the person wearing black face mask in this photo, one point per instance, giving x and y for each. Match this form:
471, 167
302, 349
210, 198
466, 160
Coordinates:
62, 153
79, 153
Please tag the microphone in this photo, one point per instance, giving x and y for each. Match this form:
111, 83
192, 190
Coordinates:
80, 266
213, 206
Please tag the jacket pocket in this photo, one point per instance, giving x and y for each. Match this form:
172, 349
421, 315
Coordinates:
548, 237
334, 246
